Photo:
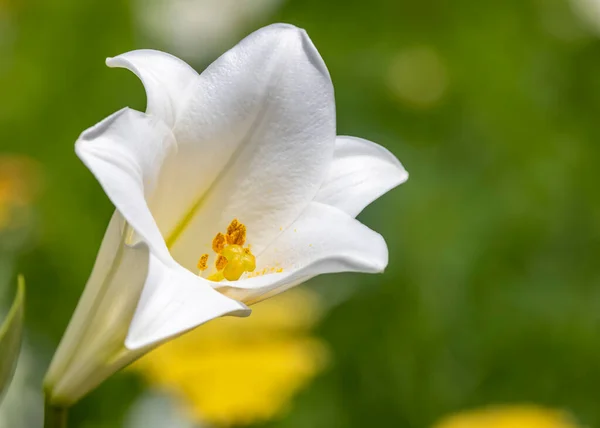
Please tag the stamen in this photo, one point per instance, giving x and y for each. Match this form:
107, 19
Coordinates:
236, 233
221, 262
203, 262
233, 260
218, 243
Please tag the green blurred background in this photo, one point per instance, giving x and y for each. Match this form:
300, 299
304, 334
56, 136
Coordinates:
492, 294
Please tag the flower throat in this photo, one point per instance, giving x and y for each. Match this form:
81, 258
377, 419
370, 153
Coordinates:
233, 260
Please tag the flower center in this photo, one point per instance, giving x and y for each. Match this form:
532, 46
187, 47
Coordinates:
232, 258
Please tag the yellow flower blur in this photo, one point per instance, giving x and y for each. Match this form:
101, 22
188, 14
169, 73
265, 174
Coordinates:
18, 184
520, 416
237, 371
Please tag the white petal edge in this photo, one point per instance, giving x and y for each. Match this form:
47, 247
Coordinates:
361, 172
165, 77
174, 301
125, 153
322, 240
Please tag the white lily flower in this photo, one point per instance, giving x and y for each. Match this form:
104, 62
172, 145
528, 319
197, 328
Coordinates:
231, 188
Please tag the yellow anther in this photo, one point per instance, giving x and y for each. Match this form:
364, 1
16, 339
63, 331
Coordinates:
221, 262
203, 262
236, 233
218, 243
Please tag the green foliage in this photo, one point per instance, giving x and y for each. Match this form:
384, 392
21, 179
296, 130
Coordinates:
11, 331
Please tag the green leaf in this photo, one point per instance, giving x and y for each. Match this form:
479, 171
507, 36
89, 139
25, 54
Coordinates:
10, 338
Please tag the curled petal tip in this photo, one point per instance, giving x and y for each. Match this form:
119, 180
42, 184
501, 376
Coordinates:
380, 256
299, 35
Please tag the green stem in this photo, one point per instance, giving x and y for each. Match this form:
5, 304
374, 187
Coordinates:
55, 417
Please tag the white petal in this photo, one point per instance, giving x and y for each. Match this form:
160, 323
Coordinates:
322, 240
254, 143
125, 153
165, 78
173, 301
99, 325
361, 172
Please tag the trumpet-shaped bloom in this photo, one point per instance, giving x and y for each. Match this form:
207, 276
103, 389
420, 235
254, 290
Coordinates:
231, 188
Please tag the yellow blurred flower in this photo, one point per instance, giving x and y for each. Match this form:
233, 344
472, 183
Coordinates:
235, 371
519, 416
18, 185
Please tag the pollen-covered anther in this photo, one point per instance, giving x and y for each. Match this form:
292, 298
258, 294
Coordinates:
236, 233
203, 262
221, 262
218, 243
